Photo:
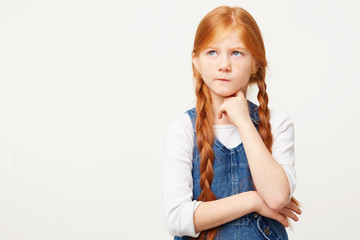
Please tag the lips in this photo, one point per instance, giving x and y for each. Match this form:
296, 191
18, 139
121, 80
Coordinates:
223, 79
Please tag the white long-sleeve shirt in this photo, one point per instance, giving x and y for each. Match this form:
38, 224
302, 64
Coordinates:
178, 206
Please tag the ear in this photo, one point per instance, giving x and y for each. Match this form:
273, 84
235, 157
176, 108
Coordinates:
195, 61
255, 67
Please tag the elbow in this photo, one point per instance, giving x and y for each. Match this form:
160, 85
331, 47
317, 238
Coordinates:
171, 230
170, 224
173, 222
278, 203
179, 220
279, 199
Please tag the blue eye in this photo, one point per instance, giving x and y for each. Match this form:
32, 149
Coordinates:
237, 53
211, 53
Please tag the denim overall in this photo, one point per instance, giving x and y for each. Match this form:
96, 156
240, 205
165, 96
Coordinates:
231, 176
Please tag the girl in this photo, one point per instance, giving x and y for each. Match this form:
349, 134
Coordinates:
229, 164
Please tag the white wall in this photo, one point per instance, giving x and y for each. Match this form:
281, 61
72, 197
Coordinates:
88, 88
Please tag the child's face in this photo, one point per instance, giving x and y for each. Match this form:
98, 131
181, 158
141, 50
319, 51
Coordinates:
225, 65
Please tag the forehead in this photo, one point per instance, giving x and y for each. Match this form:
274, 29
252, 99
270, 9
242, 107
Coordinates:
230, 37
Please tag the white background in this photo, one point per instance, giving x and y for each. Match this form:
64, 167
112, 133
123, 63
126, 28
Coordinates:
88, 89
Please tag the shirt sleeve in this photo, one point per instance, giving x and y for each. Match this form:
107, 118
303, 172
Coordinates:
283, 146
178, 206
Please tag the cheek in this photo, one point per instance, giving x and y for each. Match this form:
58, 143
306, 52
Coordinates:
208, 68
243, 67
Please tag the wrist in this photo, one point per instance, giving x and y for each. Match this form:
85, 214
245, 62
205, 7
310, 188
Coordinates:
256, 199
244, 124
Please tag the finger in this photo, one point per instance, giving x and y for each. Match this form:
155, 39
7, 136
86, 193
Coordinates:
287, 212
280, 218
221, 111
293, 207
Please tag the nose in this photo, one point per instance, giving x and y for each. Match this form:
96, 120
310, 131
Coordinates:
224, 64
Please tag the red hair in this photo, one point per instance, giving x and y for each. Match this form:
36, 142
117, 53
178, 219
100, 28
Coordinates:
217, 22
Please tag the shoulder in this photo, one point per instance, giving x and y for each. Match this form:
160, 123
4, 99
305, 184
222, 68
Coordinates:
181, 127
278, 117
182, 122
280, 123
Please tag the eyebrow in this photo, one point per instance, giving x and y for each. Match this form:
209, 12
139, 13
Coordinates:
236, 47
239, 47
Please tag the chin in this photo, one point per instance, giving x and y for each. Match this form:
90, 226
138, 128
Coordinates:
226, 93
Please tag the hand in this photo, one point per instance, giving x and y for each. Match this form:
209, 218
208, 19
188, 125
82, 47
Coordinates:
235, 108
279, 215
289, 209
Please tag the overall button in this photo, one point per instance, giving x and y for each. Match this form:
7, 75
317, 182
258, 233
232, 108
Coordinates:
256, 215
266, 230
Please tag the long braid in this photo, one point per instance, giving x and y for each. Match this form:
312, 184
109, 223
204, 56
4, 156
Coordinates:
264, 125
205, 137
264, 115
